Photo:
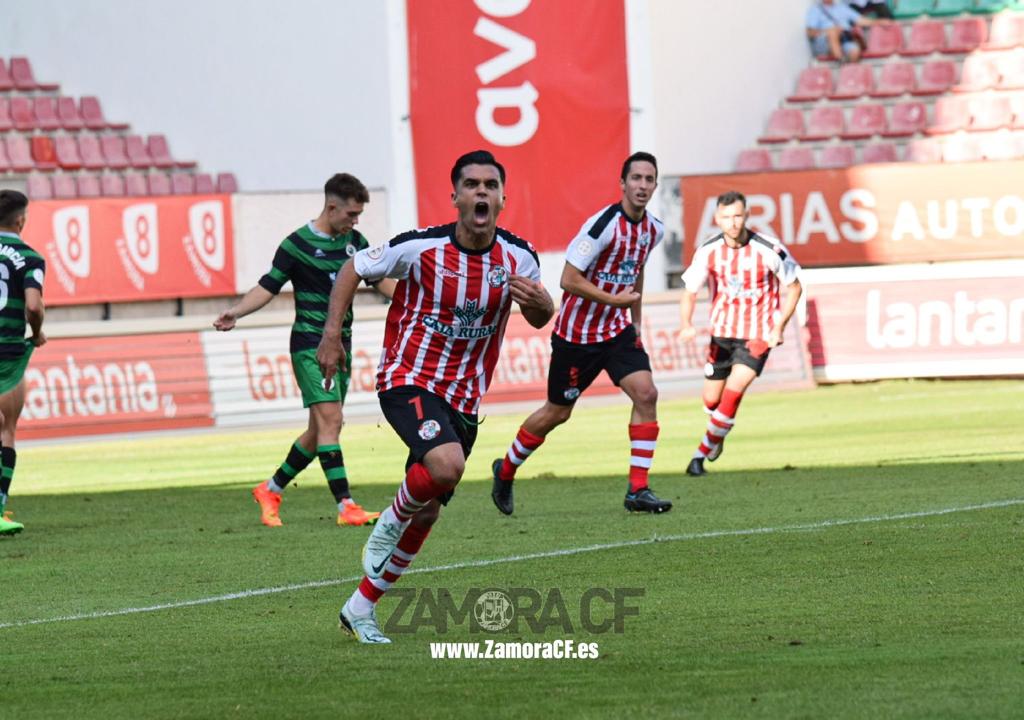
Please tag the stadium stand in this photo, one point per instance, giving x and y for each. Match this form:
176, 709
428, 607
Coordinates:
24, 78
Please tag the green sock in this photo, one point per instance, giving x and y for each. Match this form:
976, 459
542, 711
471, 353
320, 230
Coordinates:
333, 464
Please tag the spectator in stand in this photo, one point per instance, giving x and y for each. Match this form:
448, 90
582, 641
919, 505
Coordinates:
836, 30
874, 8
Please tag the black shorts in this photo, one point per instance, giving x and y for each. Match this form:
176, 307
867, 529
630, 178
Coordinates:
425, 421
723, 353
574, 366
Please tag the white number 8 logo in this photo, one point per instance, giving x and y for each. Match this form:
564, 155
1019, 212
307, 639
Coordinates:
5, 274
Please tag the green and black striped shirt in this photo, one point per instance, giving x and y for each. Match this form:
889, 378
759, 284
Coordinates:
312, 261
21, 267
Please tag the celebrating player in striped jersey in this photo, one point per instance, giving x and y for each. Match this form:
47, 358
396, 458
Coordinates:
745, 273
598, 328
456, 285
311, 257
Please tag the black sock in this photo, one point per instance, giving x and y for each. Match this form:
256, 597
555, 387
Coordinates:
8, 457
297, 460
333, 464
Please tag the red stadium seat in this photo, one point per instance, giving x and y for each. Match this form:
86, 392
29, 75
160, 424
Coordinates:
884, 40
135, 185
24, 78
1007, 31
39, 187
814, 83
67, 112
796, 158
92, 115
966, 35
865, 121
961, 148
66, 150
64, 187
6, 83
895, 79
784, 125
22, 113
138, 155
90, 152
5, 115
1017, 107
757, 160
5, 162
907, 119
825, 122
923, 151
836, 156
159, 151
113, 151
990, 112
951, 114
926, 37
1011, 70
88, 186
43, 152
978, 73
204, 181
19, 153
878, 153
45, 111
227, 183
159, 184
936, 78
112, 185
183, 183
855, 80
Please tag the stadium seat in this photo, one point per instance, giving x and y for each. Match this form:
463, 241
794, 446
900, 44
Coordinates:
814, 83
64, 187
884, 40
204, 181
227, 183
92, 115
936, 78
6, 83
795, 158
182, 183
895, 79
19, 153
855, 80
878, 153
824, 123
926, 37
836, 156
39, 187
990, 6
67, 112
911, 8
90, 152
5, 115
966, 35
951, 114
22, 114
1017, 107
951, 7
1010, 67
1007, 31
999, 145
45, 111
88, 186
865, 121
112, 185
24, 78
159, 151
784, 125
5, 162
961, 148
749, 161
43, 153
923, 151
990, 112
908, 119
978, 73
138, 155
159, 184
135, 185
66, 149
113, 151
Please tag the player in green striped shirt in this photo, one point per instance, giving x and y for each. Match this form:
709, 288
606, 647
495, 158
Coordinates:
21, 304
311, 258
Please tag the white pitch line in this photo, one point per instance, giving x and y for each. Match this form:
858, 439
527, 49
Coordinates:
823, 524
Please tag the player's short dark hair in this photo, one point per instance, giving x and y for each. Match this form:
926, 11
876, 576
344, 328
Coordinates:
12, 204
733, 196
477, 157
639, 157
347, 187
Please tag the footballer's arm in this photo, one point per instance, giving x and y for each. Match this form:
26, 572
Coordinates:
793, 292
573, 281
330, 352
533, 299
636, 309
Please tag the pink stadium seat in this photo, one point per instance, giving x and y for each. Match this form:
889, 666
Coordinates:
865, 121
855, 80
19, 153
67, 152
159, 151
6, 83
990, 112
836, 156
923, 151
878, 153
825, 122
5, 162
966, 35
908, 119
998, 146
90, 152
784, 125
113, 151
961, 148
936, 78
64, 187
24, 78
39, 187
1007, 31
227, 183
951, 114
21, 113
814, 83
926, 37
135, 185
159, 184
1017, 106
978, 73
182, 183
1011, 70
88, 186
67, 112
884, 40
43, 152
92, 115
895, 79
112, 185
138, 155
749, 161
796, 158
204, 181
5, 115
46, 113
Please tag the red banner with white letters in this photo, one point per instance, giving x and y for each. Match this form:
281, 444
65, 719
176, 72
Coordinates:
542, 85
127, 249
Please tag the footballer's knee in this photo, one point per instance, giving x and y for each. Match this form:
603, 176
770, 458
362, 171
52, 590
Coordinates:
446, 464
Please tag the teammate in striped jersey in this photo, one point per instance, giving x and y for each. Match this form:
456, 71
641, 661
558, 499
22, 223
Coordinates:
21, 303
311, 258
456, 285
598, 328
745, 273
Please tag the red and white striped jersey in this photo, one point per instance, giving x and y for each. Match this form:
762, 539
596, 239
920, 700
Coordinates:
610, 250
744, 283
449, 311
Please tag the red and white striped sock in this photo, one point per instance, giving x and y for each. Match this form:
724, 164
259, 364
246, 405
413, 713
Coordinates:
643, 437
720, 423
371, 590
416, 490
522, 447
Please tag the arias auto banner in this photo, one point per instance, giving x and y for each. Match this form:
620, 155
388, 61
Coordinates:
542, 85
128, 249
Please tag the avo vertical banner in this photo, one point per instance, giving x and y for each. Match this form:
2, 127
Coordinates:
542, 85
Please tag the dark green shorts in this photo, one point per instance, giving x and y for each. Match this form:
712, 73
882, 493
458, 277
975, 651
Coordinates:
311, 381
12, 370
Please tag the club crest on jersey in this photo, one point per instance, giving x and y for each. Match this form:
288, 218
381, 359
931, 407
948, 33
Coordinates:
497, 277
709, 370
644, 240
429, 429
375, 253
571, 393
350, 250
